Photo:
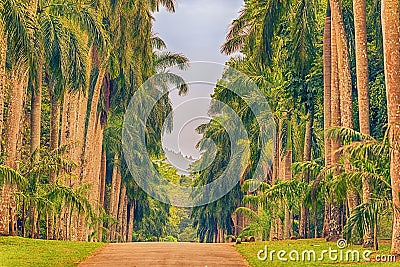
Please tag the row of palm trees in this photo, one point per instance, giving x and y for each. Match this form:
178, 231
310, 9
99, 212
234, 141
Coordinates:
311, 60
68, 71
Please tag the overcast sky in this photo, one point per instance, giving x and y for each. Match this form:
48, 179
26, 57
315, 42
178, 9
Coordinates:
197, 29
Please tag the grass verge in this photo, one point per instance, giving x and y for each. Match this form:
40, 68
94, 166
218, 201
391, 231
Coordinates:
309, 246
18, 251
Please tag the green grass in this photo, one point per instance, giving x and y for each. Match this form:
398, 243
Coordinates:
18, 251
250, 250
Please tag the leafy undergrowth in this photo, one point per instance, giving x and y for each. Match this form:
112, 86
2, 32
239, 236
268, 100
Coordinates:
250, 251
18, 251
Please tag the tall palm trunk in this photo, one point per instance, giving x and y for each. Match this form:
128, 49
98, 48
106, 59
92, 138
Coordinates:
54, 122
66, 137
54, 144
35, 114
55, 110
80, 128
124, 220
36, 98
15, 112
333, 216
19, 78
97, 166
287, 230
360, 25
131, 220
96, 161
276, 232
76, 115
345, 85
103, 170
391, 49
91, 159
88, 172
304, 216
87, 153
82, 230
327, 54
3, 89
114, 197
3, 79
327, 84
121, 206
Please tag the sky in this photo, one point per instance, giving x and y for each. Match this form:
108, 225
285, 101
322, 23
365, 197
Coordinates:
197, 29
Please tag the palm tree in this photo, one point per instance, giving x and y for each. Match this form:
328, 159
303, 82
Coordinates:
391, 49
345, 84
36, 97
360, 25
333, 213
3, 84
18, 38
19, 82
327, 54
369, 157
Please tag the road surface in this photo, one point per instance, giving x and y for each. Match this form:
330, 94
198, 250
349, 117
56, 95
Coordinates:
165, 254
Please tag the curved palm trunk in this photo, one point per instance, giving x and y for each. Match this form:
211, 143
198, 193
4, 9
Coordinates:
360, 25
345, 85
391, 49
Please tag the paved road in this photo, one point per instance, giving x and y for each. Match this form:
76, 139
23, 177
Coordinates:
165, 254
